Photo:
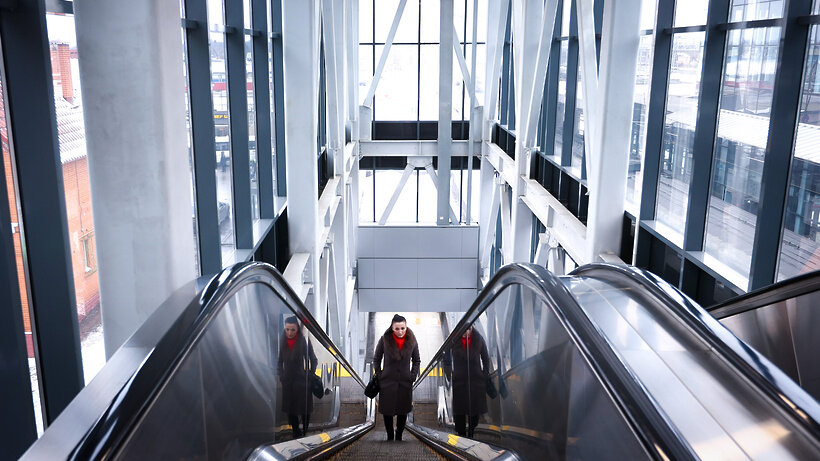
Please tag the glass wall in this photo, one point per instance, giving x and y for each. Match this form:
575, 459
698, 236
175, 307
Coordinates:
799, 247
742, 133
679, 129
77, 187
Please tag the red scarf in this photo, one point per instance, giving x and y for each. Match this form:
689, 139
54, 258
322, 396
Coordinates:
291, 342
399, 341
466, 341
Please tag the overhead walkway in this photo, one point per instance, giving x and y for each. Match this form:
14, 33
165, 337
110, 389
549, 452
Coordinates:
609, 363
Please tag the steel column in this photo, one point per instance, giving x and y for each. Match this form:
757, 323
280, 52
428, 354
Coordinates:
706, 126
277, 60
32, 129
261, 95
571, 90
775, 179
445, 111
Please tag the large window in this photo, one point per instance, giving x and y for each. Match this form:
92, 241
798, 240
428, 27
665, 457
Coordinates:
679, 130
800, 240
742, 132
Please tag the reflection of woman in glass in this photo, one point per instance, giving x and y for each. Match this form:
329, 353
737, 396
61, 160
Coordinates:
296, 360
470, 368
399, 349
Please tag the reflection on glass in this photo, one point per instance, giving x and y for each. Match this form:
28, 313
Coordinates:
743, 127
252, 374
679, 129
799, 247
297, 371
467, 365
690, 13
560, 107
77, 188
640, 107
517, 381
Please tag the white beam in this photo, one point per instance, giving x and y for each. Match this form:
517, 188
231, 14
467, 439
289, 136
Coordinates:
588, 62
434, 177
465, 74
610, 149
445, 111
368, 100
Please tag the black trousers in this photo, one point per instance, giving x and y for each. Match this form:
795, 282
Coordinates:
293, 420
461, 425
401, 420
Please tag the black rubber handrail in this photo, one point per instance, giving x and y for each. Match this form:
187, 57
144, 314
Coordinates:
113, 426
657, 434
779, 388
766, 296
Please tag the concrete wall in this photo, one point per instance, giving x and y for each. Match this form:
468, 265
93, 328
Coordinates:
417, 268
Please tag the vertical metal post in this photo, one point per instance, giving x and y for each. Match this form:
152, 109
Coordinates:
445, 111
261, 96
32, 128
784, 117
551, 86
706, 126
572, 89
202, 136
17, 423
278, 96
656, 110
238, 107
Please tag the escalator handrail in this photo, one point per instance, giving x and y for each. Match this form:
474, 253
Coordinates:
146, 381
788, 396
658, 435
767, 296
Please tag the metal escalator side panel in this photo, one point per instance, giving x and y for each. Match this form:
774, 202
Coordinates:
791, 410
564, 370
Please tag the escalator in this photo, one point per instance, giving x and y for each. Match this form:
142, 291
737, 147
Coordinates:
781, 322
610, 363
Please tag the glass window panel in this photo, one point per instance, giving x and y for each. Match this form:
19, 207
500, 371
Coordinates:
365, 70
222, 139
254, 173
10, 185
246, 13
648, 9
397, 94
366, 195
566, 17
578, 134
690, 13
408, 30
461, 97
560, 107
800, 240
365, 21
479, 77
404, 211
679, 129
743, 127
430, 11
428, 83
216, 13
751, 10
640, 107
428, 198
77, 188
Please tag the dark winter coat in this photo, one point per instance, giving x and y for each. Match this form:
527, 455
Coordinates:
294, 366
397, 376
470, 370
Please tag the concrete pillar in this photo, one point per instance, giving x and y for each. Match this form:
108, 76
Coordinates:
131, 56
300, 44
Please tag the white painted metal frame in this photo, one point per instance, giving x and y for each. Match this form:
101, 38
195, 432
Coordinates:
377, 75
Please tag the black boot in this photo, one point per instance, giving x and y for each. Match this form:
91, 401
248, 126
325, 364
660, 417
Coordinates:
400, 421
388, 426
294, 426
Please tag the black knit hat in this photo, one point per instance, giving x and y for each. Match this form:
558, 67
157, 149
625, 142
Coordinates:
397, 319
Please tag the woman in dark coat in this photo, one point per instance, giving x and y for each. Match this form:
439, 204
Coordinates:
470, 364
296, 360
400, 350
